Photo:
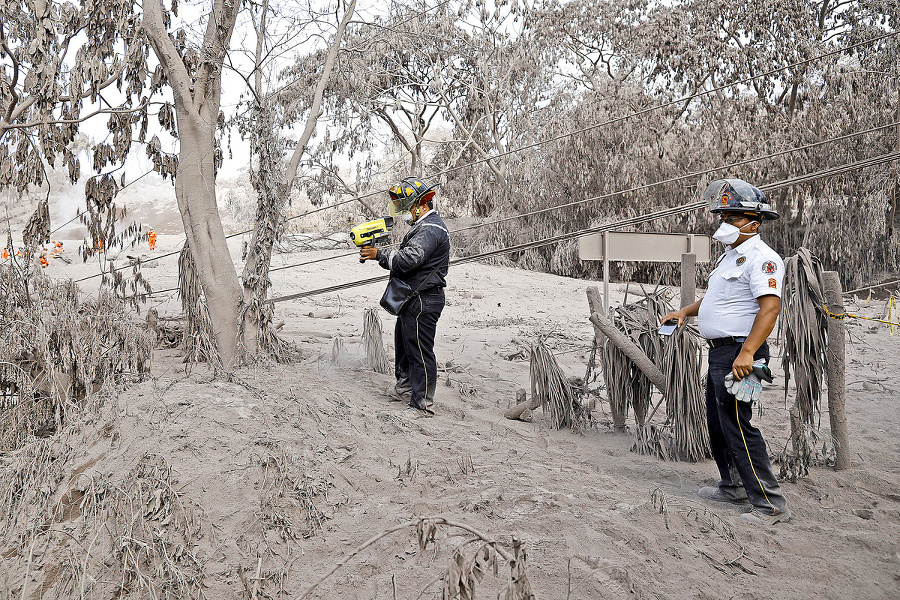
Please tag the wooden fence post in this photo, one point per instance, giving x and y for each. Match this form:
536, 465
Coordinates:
625, 344
595, 305
834, 355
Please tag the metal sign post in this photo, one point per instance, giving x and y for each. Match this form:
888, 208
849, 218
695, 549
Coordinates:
685, 248
605, 274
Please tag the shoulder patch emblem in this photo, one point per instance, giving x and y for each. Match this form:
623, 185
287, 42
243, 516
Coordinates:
773, 283
769, 267
741, 260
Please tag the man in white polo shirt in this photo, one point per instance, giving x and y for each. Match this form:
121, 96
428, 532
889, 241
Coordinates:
736, 316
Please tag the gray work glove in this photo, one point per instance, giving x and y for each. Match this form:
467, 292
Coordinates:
749, 388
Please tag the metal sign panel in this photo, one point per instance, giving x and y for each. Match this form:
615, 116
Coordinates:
644, 247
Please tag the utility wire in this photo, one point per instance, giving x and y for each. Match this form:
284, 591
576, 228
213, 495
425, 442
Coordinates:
615, 120
67, 222
83, 213
630, 190
578, 131
592, 199
873, 287
830, 172
684, 208
151, 259
679, 178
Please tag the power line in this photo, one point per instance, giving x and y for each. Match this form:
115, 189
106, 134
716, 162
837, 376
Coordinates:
151, 259
577, 202
83, 213
873, 161
544, 242
679, 178
582, 130
630, 190
830, 172
67, 222
616, 120
873, 287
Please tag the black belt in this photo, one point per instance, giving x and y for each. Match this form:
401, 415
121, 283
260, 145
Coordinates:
725, 341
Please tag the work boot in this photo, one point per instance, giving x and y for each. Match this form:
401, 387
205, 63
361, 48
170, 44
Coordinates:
764, 516
400, 391
426, 404
720, 495
414, 412
428, 400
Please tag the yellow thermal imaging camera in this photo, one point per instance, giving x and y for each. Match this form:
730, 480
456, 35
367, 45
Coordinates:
372, 233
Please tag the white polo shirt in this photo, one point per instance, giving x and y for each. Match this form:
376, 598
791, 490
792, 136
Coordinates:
742, 275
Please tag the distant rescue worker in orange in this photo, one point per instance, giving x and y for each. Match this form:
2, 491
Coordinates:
151, 238
43, 259
5, 254
57, 249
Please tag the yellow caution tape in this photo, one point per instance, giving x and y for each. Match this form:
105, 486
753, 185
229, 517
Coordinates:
892, 305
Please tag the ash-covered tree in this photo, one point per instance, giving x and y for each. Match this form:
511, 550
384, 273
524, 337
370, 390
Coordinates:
474, 71
793, 99
623, 59
60, 66
276, 160
495, 89
381, 94
64, 64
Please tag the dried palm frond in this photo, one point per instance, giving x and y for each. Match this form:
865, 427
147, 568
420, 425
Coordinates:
552, 388
806, 447
376, 357
627, 385
291, 503
198, 335
338, 352
804, 324
685, 400
890, 313
654, 440
465, 569
640, 383
617, 370
684, 435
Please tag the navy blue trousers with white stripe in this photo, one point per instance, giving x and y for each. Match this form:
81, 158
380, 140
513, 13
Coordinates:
414, 358
737, 446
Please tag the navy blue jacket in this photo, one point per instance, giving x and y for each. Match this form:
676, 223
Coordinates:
425, 246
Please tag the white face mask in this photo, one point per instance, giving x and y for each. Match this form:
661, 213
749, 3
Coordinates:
728, 233
414, 214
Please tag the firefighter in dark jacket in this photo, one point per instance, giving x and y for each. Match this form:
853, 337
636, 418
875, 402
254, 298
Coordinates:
421, 261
